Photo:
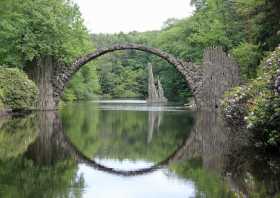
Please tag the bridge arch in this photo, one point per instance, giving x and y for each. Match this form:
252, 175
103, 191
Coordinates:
64, 73
208, 82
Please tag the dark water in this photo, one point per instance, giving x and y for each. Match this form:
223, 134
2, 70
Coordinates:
128, 150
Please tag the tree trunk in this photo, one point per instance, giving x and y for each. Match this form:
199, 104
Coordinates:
41, 72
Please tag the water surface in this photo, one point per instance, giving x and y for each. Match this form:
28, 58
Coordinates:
129, 149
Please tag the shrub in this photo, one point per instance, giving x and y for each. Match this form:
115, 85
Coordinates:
18, 92
256, 105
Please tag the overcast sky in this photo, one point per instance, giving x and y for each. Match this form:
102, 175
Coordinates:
112, 16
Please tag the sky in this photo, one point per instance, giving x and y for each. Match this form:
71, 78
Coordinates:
113, 16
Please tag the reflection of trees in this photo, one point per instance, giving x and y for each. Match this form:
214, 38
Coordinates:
201, 159
208, 183
221, 162
251, 171
208, 140
123, 134
254, 172
16, 133
46, 168
48, 147
22, 178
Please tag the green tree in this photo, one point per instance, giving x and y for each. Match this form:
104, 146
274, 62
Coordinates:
40, 35
35, 29
248, 56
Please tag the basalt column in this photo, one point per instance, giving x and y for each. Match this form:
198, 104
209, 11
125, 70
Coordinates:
220, 73
155, 92
152, 90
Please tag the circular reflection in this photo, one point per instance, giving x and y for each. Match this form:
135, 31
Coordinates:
111, 131
96, 165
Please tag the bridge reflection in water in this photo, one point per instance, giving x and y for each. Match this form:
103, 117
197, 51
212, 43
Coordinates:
210, 148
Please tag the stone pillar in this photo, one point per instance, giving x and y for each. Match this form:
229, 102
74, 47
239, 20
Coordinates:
219, 74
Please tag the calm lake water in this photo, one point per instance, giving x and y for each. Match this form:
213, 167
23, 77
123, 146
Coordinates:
128, 149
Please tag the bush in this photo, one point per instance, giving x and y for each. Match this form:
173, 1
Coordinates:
18, 92
256, 105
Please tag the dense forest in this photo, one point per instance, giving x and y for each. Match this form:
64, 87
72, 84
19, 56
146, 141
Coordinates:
38, 35
124, 74
245, 29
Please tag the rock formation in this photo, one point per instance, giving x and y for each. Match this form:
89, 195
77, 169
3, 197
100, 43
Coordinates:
155, 93
152, 90
160, 91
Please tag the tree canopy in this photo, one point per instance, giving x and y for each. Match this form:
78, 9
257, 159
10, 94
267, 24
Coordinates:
36, 28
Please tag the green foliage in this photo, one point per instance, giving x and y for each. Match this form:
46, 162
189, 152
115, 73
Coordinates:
264, 120
208, 184
18, 92
20, 177
214, 25
84, 85
246, 28
261, 20
16, 134
124, 73
30, 29
34, 29
248, 56
239, 27
255, 170
257, 105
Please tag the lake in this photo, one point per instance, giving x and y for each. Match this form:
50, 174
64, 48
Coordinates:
130, 149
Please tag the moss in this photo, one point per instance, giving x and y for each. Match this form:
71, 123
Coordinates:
17, 91
256, 105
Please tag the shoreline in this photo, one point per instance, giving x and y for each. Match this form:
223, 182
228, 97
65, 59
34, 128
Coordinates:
10, 112
5, 112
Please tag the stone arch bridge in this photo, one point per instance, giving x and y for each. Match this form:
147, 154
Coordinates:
207, 81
